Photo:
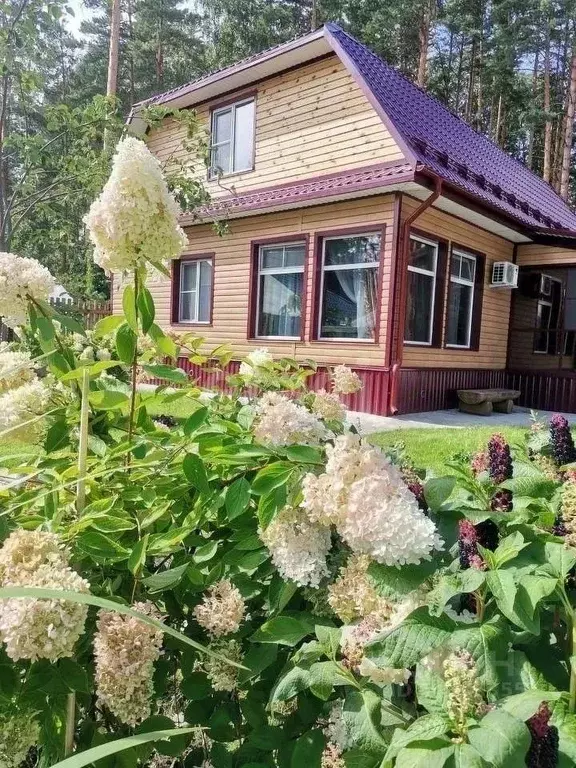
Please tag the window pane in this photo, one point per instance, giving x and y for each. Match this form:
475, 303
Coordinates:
244, 137
280, 304
468, 269
352, 250
459, 309
272, 257
349, 304
221, 158
188, 306
222, 125
422, 255
419, 308
455, 264
188, 282
294, 256
205, 292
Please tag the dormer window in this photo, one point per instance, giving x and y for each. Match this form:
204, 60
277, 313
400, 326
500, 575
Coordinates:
232, 139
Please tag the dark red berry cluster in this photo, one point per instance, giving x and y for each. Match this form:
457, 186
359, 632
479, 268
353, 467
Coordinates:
563, 448
543, 752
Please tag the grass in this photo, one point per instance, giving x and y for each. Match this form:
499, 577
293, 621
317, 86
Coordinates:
429, 448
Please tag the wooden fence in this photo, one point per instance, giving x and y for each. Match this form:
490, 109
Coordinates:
88, 312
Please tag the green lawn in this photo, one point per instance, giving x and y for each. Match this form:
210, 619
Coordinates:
429, 448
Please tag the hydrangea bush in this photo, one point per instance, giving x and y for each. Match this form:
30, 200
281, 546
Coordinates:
256, 585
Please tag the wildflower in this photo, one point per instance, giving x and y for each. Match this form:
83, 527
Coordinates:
281, 421
221, 610
19, 732
331, 757
467, 542
547, 466
125, 649
103, 354
21, 280
464, 695
501, 501
280, 710
298, 546
499, 459
135, 218
355, 637
87, 353
563, 448
23, 404
543, 752
415, 486
222, 675
327, 406
16, 368
353, 596
480, 462
258, 358
345, 381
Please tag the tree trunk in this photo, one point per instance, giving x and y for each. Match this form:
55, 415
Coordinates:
499, 119
131, 56
112, 81
547, 169
424, 39
458, 90
470, 97
532, 128
568, 130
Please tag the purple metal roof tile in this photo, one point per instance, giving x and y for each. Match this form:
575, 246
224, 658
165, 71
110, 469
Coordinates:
310, 190
448, 146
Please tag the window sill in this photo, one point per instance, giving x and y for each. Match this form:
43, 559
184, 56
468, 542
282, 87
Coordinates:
230, 175
467, 348
427, 344
289, 339
325, 340
186, 324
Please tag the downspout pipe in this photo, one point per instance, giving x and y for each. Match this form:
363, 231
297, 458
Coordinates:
402, 267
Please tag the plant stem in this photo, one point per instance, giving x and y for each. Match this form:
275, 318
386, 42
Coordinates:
70, 724
572, 660
83, 443
134, 371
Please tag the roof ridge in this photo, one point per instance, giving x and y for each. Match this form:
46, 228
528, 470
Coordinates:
336, 27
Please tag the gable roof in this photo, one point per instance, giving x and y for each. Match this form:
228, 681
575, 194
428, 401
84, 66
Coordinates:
433, 139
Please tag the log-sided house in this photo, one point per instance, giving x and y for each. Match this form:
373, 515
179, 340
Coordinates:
369, 225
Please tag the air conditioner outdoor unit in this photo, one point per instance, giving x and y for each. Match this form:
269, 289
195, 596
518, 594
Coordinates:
504, 275
545, 285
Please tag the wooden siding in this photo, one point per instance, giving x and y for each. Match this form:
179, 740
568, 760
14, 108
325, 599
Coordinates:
495, 304
532, 255
232, 278
309, 122
431, 389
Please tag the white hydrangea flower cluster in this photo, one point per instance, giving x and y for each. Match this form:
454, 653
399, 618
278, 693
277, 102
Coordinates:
19, 732
327, 406
353, 596
21, 278
135, 218
22, 404
281, 421
39, 629
16, 368
258, 358
89, 347
345, 381
221, 610
298, 547
222, 675
365, 497
125, 650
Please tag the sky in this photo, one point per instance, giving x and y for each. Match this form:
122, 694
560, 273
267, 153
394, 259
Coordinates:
80, 13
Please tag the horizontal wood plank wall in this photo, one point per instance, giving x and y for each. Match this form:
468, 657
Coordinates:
538, 255
495, 305
232, 276
309, 122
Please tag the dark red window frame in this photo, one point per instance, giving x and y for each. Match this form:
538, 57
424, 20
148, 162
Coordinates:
175, 288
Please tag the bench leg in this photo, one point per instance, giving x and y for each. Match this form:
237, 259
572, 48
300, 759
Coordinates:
478, 409
504, 406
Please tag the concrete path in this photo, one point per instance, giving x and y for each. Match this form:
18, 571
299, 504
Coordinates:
452, 419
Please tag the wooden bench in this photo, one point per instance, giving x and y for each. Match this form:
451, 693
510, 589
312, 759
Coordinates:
483, 401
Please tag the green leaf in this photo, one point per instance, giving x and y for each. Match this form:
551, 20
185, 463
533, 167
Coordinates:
524, 705
304, 454
258, 658
418, 634
432, 754
57, 436
126, 341
146, 308
99, 546
270, 504
165, 579
488, 644
195, 420
290, 684
100, 602
560, 559
195, 472
107, 399
284, 630
196, 686
271, 476
166, 543
138, 556
308, 749
437, 490
431, 690
465, 756
94, 369
423, 729
501, 739
451, 584
129, 308
74, 675
167, 373
107, 325
508, 549
163, 343
362, 712
237, 497
89, 756
391, 581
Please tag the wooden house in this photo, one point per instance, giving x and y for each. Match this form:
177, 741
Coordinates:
368, 225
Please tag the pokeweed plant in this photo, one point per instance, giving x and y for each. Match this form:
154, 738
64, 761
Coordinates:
272, 590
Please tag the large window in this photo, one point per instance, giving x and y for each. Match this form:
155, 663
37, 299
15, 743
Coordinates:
421, 296
194, 298
548, 319
348, 289
280, 290
460, 299
232, 138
